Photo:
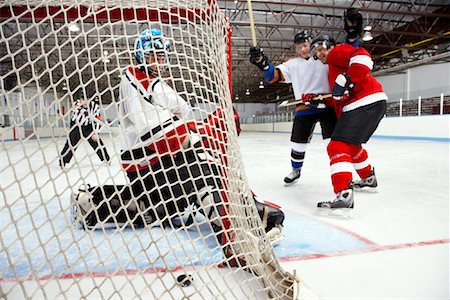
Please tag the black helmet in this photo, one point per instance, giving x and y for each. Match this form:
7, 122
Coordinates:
302, 37
323, 40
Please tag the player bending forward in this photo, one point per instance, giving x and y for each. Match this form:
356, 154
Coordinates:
163, 154
360, 104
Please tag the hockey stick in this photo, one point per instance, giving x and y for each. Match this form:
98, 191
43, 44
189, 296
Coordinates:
252, 22
286, 103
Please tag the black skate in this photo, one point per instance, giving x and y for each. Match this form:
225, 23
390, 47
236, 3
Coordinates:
341, 206
368, 184
295, 174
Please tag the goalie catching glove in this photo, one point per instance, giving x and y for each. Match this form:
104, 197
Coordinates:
342, 87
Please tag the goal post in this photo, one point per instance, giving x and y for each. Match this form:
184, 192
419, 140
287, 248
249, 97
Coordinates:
54, 53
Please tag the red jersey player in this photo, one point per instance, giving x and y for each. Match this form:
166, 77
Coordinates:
360, 104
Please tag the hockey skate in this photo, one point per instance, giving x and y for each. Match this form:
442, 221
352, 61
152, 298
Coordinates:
368, 184
291, 178
341, 206
81, 209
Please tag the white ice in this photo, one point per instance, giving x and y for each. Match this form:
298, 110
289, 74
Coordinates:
407, 220
405, 224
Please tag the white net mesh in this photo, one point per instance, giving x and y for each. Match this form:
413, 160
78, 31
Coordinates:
119, 176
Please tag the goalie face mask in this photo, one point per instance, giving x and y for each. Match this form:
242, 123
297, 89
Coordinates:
152, 52
157, 62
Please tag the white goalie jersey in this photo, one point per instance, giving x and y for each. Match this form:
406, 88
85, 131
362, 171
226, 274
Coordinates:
149, 109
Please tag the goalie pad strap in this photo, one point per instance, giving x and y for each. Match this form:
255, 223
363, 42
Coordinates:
265, 216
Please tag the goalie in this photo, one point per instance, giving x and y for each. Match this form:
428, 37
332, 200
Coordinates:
166, 160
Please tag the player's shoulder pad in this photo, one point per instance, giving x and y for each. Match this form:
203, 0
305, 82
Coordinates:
290, 62
342, 50
361, 51
291, 58
362, 57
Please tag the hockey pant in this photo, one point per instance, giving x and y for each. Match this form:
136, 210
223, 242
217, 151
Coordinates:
85, 131
160, 194
344, 158
302, 131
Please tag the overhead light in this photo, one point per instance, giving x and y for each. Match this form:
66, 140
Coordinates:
237, 97
235, 1
278, 97
261, 85
367, 36
247, 92
64, 87
74, 27
105, 57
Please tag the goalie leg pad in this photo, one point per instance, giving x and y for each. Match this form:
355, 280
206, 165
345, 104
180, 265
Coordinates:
82, 209
209, 204
93, 207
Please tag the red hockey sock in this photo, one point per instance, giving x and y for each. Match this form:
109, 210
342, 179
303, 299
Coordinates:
340, 164
361, 162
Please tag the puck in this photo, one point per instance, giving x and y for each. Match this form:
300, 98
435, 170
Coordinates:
184, 280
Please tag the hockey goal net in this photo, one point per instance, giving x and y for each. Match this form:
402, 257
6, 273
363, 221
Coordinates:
54, 52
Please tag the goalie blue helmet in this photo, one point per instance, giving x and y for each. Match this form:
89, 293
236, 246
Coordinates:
150, 40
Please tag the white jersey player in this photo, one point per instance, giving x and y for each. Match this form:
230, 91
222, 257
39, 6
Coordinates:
309, 78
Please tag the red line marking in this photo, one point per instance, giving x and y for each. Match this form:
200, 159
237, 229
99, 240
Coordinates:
367, 250
283, 259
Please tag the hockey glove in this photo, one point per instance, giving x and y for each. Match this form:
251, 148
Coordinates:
308, 99
342, 87
353, 22
258, 58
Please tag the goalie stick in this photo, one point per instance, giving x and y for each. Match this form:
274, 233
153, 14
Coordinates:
296, 102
